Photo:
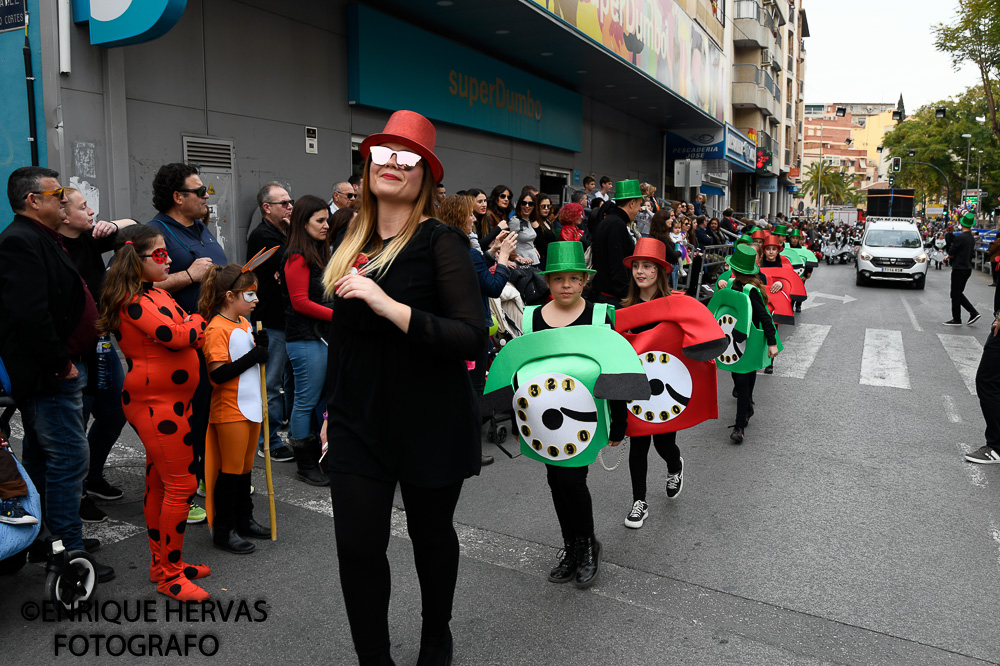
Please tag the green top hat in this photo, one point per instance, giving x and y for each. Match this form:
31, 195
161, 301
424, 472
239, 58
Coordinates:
968, 220
780, 230
753, 229
795, 233
627, 189
745, 238
743, 260
565, 257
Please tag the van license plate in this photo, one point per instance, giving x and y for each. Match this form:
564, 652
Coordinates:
892, 270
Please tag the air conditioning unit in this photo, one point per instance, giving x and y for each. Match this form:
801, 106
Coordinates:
765, 57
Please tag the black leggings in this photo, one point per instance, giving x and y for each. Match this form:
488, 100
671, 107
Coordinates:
665, 444
744, 382
571, 499
362, 510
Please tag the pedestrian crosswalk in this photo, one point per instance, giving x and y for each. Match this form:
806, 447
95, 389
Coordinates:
884, 362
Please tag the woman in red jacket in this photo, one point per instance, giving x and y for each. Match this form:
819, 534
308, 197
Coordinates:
160, 343
307, 316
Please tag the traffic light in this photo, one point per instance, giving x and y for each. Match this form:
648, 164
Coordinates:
897, 162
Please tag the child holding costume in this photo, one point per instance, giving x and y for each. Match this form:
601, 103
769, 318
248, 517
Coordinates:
232, 353
160, 343
745, 272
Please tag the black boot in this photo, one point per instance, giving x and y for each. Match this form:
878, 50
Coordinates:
306, 457
588, 554
246, 526
224, 534
436, 648
566, 569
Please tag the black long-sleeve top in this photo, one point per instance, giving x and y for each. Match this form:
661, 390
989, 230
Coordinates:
961, 251
759, 314
612, 243
618, 409
381, 381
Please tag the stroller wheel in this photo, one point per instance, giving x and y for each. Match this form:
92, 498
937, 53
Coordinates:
501, 434
74, 584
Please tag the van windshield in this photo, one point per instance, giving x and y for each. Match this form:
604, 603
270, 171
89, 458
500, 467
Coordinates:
893, 238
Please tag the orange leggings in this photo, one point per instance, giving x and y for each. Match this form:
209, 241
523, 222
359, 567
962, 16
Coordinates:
229, 448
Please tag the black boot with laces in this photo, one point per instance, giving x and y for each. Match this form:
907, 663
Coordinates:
566, 569
588, 555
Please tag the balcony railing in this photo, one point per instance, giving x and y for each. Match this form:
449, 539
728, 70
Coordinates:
788, 110
768, 83
777, 95
748, 9
790, 62
746, 73
788, 157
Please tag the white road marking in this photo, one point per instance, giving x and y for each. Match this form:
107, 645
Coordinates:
883, 362
951, 410
909, 313
843, 299
965, 352
974, 470
800, 350
995, 534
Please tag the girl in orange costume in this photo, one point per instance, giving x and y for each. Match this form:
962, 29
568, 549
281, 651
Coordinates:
232, 352
160, 342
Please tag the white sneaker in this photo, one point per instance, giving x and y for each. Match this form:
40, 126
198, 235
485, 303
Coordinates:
639, 513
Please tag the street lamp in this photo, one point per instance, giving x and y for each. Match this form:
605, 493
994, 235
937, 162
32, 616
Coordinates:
979, 176
841, 111
941, 112
848, 140
968, 155
913, 153
879, 149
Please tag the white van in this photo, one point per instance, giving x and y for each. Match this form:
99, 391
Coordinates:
892, 249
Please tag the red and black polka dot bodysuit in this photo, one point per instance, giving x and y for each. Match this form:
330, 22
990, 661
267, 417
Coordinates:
162, 358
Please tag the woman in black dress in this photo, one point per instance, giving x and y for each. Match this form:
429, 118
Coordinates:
400, 403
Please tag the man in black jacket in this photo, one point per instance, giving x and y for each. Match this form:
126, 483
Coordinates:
960, 257
276, 212
47, 323
612, 243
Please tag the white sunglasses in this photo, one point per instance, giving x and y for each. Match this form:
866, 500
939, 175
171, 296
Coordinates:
405, 159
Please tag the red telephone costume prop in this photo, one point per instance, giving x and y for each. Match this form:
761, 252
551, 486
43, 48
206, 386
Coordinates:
162, 358
678, 357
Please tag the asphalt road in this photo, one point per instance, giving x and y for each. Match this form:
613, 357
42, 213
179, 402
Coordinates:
847, 529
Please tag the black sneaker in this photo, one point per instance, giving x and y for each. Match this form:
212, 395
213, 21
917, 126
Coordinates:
675, 482
973, 319
769, 370
91, 545
984, 455
588, 555
103, 490
280, 454
104, 572
90, 513
952, 322
639, 513
737, 435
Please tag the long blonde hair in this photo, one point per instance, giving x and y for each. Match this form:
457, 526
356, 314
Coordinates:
364, 229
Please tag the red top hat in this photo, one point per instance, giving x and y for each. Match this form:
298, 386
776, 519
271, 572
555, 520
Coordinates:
649, 249
759, 235
412, 130
772, 240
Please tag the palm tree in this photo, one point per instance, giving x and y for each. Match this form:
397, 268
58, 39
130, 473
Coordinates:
832, 186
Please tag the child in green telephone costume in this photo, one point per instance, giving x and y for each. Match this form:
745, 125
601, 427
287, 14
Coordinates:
567, 378
741, 310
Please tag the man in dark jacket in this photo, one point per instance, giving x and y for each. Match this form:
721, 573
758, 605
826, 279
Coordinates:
612, 243
47, 323
960, 257
276, 211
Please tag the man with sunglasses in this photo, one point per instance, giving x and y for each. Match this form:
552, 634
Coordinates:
182, 201
275, 211
47, 324
344, 196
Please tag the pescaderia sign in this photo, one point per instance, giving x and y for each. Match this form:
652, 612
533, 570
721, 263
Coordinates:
455, 84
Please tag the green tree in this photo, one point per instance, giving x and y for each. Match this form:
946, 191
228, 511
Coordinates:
974, 37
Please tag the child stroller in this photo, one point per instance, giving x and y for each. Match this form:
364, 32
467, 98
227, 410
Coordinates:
71, 575
507, 311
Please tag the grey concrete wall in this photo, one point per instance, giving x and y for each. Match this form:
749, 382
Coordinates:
253, 71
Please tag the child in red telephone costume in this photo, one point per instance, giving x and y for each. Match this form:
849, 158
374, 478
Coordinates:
676, 338
160, 342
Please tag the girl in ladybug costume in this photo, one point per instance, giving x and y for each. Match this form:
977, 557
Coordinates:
676, 338
160, 342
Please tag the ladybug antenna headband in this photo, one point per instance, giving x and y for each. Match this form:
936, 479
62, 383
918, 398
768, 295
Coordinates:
254, 262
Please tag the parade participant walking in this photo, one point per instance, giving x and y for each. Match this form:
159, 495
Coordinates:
86, 242
409, 317
745, 280
562, 415
612, 243
669, 328
960, 258
160, 342
276, 211
233, 352
307, 316
47, 317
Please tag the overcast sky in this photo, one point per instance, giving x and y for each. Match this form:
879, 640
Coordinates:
873, 50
